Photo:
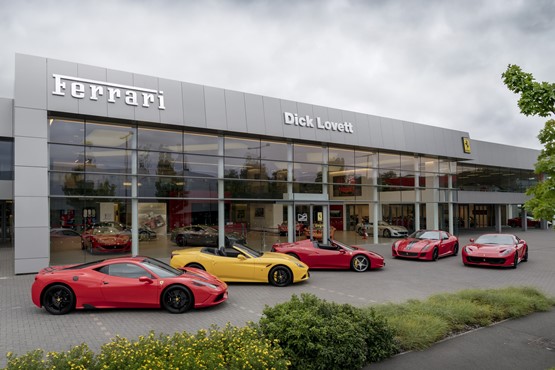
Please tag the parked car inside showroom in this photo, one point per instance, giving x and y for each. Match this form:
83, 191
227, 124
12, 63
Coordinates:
202, 235
106, 239
426, 245
384, 229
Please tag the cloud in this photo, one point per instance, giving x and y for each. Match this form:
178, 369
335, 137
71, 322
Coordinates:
432, 62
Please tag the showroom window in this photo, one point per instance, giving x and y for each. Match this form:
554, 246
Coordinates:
6, 159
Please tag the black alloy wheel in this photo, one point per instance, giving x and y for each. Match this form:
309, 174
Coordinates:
456, 249
525, 257
143, 235
177, 299
360, 263
515, 262
280, 276
387, 233
58, 299
180, 240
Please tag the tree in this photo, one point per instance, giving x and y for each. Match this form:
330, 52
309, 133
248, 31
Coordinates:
537, 99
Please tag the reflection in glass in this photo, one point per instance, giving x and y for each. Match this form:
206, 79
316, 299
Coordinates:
160, 140
341, 157
239, 168
66, 131
273, 150
308, 153
200, 165
242, 148
200, 144
109, 135
6, 159
107, 160
160, 163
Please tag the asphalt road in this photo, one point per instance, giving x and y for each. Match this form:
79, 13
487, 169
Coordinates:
24, 327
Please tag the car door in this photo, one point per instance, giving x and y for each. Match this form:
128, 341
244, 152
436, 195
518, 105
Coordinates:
446, 243
325, 256
121, 286
234, 266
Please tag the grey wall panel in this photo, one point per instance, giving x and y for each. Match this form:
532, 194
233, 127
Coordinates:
254, 106
150, 113
194, 108
93, 107
26, 149
361, 127
376, 134
410, 133
30, 265
30, 81
28, 241
173, 114
6, 117
31, 212
485, 197
30, 122
336, 116
31, 182
65, 102
295, 131
389, 130
215, 108
119, 109
493, 154
235, 111
273, 116
322, 136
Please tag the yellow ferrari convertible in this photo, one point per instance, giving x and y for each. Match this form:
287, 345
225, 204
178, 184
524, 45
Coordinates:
239, 263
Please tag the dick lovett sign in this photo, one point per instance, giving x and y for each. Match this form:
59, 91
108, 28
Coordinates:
82, 88
316, 122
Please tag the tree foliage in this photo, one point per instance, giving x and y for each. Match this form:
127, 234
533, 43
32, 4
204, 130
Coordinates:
537, 99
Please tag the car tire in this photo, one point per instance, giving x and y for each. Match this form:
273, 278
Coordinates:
83, 245
360, 263
177, 299
515, 262
196, 265
58, 299
387, 233
525, 257
143, 236
280, 276
435, 254
91, 251
180, 240
456, 249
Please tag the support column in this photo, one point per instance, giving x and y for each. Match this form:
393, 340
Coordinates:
221, 193
291, 220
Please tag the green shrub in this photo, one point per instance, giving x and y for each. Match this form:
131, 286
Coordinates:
229, 348
316, 334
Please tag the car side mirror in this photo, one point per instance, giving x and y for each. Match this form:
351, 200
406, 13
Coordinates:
241, 257
145, 279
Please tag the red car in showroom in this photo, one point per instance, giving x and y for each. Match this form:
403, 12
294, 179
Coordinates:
335, 255
505, 250
426, 245
125, 282
530, 222
106, 239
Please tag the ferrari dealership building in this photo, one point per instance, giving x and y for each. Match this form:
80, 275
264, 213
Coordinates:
82, 145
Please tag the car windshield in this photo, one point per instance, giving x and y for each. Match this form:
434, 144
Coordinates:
160, 268
105, 230
424, 234
246, 250
344, 246
495, 239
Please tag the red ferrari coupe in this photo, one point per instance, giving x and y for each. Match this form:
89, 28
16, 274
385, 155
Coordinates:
106, 239
495, 250
335, 255
426, 245
125, 282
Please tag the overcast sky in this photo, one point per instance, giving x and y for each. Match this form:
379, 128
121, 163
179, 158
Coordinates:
433, 62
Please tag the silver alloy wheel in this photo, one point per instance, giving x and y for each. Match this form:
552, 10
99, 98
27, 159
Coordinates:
360, 263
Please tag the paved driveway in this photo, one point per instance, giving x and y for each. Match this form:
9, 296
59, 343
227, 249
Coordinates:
24, 327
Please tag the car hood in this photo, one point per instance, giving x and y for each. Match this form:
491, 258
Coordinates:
194, 273
487, 249
415, 245
396, 228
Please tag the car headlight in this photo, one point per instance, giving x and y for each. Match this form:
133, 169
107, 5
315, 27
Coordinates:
395, 245
204, 283
506, 251
299, 265
426, 247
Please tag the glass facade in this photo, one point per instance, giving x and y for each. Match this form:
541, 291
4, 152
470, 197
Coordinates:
179, 178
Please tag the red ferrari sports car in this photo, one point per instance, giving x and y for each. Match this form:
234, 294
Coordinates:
495, 250
106, 239
426, 245
335, 255
125, 282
